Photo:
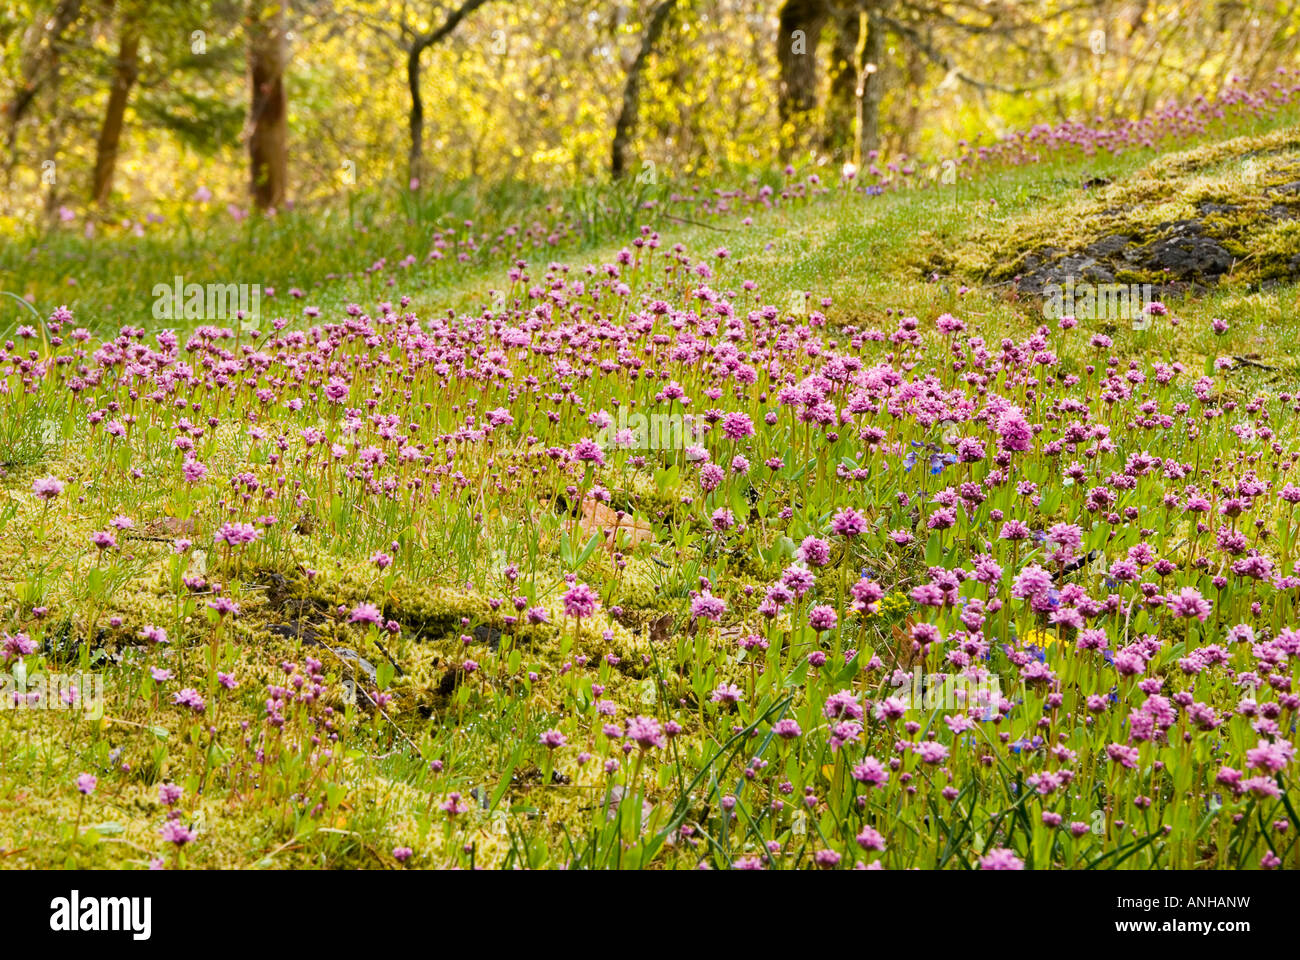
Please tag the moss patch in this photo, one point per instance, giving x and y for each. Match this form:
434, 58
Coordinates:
1223, 213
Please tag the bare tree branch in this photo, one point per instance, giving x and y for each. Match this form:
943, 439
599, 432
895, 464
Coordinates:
419, 43
941, 59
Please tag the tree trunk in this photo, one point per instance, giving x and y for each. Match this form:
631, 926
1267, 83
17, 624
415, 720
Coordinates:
916, 64
848, 88
415, 160
38, 64
124, 76
801, 23
40, 70
626, 124
268, 143
420, 43
873, 86
842, 107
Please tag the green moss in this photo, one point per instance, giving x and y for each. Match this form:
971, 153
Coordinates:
1241, 173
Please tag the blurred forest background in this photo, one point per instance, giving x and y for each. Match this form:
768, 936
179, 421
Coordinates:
127, 108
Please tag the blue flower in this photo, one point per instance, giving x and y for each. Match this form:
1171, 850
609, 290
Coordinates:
940, 461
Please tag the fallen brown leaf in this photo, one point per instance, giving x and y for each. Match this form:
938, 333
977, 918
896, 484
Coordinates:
598, 518
169, 527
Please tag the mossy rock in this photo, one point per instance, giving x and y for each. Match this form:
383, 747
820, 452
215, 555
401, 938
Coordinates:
1225, 213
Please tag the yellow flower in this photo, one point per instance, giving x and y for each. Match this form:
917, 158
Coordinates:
1042, 639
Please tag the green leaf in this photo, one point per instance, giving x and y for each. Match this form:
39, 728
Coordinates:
797, 675
850, 669
504, 783
587, 551
934, 549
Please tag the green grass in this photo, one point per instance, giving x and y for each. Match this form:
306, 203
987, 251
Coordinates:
868, 255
